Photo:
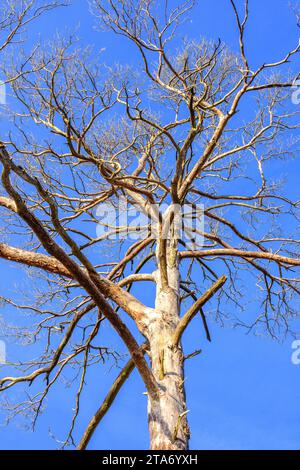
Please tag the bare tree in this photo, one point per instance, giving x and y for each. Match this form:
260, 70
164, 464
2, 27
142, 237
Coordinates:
85, 135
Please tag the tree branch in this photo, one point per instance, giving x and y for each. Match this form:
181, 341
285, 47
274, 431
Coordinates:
240, 254
121, 297
8, 203
81, 276
190, 314
108, 401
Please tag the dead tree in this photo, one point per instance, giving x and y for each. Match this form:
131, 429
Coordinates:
195, 126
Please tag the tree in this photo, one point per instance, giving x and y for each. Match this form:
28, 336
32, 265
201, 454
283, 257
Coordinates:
196, 129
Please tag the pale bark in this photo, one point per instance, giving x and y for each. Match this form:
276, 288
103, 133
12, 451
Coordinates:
168, 425
267, 255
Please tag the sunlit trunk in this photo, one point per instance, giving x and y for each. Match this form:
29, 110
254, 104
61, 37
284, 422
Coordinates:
168, 425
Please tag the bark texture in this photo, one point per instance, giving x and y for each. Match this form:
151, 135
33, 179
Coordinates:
168, 425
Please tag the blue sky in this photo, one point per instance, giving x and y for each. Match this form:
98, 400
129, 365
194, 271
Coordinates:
243, 391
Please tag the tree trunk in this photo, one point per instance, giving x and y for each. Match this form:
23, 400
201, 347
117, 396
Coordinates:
168, 425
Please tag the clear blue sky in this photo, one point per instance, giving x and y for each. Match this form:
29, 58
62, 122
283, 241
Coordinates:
243, 391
